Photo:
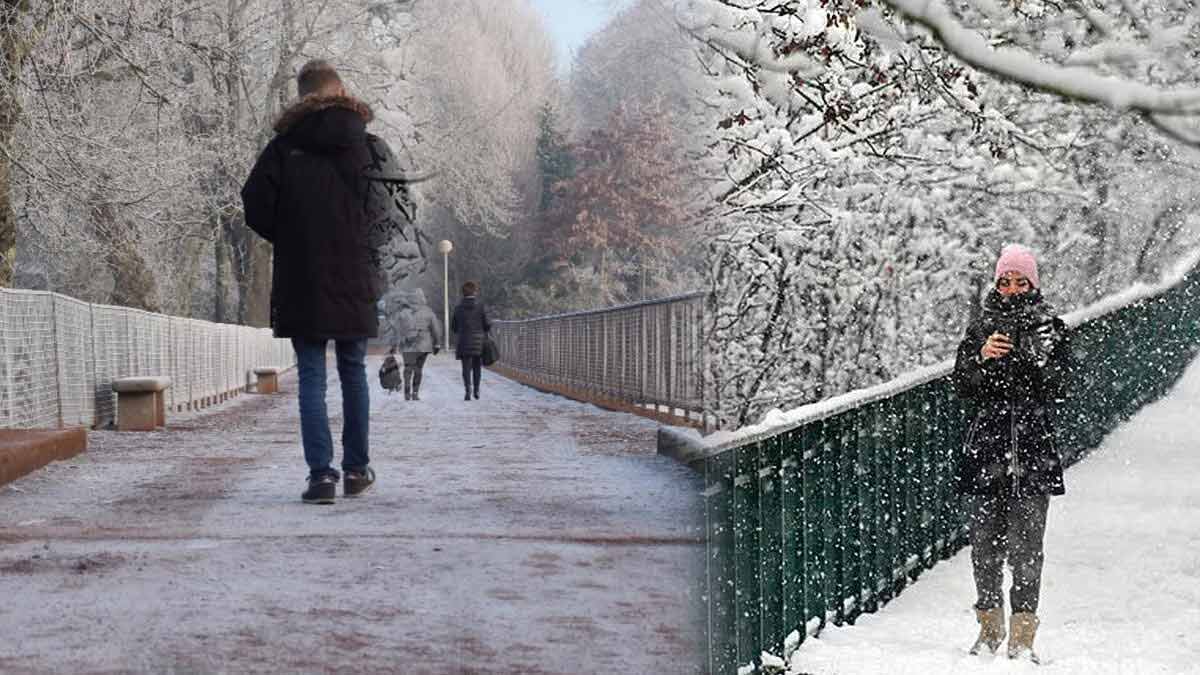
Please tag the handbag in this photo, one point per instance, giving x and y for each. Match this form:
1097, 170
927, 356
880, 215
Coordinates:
389, 374
491, 353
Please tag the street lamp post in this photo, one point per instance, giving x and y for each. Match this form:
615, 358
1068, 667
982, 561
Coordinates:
445, 247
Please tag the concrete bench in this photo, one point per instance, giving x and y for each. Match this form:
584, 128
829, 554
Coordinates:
25, 450
268, 379
141, 402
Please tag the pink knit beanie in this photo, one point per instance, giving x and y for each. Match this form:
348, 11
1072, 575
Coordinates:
1017, 258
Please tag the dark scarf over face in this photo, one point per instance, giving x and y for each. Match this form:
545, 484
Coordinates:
995, 301
1021, 310
1017, 316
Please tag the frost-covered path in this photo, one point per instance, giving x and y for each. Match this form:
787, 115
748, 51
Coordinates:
1121, 583
523, 533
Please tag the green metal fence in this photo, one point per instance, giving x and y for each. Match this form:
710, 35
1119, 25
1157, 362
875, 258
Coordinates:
836, 514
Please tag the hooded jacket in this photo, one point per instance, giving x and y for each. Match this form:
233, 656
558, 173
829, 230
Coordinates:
306, 195
415, 327
1009, 446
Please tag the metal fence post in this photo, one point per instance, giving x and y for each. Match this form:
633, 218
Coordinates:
58, 377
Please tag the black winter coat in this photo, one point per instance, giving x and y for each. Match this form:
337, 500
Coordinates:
470, 323
306, 195
1009, 447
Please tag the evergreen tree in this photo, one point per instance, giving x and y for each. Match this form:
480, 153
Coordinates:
555, 161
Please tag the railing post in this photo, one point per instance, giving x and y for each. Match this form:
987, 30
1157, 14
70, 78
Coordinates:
604, 382
95, 376
58, 380
642, 357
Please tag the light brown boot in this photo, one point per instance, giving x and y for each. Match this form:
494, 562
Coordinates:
1021, 633
991, 629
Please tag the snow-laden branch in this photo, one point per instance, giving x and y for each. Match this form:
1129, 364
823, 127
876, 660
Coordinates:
755, 50
1072, 82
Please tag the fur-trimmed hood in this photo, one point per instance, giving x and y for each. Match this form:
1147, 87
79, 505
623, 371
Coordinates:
326, 125
316, 103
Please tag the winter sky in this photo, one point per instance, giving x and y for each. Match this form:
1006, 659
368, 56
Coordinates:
572, 21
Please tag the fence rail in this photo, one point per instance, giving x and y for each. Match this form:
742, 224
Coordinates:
648, 354
59, 357
836, 513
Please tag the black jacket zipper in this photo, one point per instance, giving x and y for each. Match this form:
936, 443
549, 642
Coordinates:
1014, 465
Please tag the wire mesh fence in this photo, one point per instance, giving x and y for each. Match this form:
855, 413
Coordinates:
59, 357
647, 354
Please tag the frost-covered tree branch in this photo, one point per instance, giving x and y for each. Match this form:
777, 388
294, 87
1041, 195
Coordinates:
131, 127
854, 210
1078, 78
481, 89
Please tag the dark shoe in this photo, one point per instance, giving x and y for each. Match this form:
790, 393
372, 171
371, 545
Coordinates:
476, 394
416, 396
357, 482
467, 396
407, 395
321, 490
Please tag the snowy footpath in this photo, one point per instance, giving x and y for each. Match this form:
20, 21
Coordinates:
522, 533
1120, 586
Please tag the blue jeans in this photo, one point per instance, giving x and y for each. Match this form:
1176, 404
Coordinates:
356, 405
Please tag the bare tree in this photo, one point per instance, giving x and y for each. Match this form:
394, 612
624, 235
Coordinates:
131, 127
486, 69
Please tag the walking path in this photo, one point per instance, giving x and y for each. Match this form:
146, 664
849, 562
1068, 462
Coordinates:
522, 533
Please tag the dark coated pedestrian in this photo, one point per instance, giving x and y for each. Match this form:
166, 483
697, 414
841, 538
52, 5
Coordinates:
308, 195
1014, 364
470, 324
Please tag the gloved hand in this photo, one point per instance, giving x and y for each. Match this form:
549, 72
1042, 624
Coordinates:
1042, 341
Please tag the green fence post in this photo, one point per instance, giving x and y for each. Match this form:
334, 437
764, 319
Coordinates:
927, 486
836, 534
869, 508
747, 552
851, 518
794, 502
816, 524
946, 450
721, 563
894, 469
770, 544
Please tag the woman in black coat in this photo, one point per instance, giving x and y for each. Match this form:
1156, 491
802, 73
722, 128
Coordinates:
1013, 365
470, 324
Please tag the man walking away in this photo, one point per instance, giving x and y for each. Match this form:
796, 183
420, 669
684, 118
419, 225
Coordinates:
306, 196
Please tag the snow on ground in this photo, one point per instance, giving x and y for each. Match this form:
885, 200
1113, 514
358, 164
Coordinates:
522, 533
1120, 586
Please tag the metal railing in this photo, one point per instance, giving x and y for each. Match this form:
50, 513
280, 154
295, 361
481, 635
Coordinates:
59, 357
836, 513
647, 354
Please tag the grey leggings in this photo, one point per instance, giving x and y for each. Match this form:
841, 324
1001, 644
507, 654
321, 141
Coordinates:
1011, 528
413, 363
